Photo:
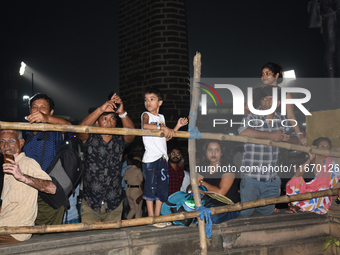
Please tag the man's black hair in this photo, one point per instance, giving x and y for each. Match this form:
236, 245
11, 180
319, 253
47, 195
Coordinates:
126, 151
176, 148
317, 141
155, 91
268, 91
39, 96
276, 69
130, 157
107, 113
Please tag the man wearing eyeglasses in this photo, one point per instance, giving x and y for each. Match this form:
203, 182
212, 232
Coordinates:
176, 173
23, 178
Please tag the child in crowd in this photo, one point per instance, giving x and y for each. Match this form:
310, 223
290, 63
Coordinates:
155, 165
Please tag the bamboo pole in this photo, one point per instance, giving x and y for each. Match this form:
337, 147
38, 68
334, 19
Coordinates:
145, 132
195, 93
164, 218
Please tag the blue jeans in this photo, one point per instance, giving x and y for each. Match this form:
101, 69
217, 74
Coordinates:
222, 217
252, 189
156, 185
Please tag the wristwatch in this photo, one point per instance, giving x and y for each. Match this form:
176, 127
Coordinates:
123, 115
201, 182
337, 201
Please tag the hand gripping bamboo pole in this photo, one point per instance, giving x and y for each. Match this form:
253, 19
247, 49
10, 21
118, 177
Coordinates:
195, 93
164, 218
146, 132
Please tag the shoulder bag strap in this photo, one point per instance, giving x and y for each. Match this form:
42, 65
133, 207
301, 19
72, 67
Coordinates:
43, 150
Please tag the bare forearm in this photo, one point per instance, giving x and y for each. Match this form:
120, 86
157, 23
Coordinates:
301, 169
39, 184
177, 127
58, 120
150, 126
91, 118
127, 122
89, 121
212, 187
255, 133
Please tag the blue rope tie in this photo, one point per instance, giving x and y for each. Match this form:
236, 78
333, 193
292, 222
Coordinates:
192, 115
194, 133
205, 212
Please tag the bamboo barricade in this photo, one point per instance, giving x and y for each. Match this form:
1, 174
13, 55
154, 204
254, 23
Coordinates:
195, 93
145, 132
164, 218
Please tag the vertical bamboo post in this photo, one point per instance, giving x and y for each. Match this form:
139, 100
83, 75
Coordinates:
195, 93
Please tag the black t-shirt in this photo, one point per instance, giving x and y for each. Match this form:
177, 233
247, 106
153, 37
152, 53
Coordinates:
215, 179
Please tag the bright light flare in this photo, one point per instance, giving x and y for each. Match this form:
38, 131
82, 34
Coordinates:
25, 97
289, 74
22, 68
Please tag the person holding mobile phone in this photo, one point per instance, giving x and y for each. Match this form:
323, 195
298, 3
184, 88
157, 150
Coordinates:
102, 193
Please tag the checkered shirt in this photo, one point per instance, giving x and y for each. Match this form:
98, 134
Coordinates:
259, 157
175, 179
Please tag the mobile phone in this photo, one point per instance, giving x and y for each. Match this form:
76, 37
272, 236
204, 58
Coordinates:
6, 156
110, 95
109, 98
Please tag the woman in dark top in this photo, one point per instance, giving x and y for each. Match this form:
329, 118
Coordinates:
216, 175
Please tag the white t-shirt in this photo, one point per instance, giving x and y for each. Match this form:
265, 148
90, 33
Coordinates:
186, 181
155, 147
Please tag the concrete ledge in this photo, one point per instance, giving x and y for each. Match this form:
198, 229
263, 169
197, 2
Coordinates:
275, 234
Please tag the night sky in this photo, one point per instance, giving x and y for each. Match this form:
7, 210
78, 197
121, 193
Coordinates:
72, 46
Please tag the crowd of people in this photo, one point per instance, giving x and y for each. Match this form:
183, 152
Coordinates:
116, 183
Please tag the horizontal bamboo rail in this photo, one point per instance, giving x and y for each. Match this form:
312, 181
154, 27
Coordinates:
146, 132
164, 218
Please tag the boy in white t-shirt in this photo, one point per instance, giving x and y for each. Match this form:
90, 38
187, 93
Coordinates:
155, 159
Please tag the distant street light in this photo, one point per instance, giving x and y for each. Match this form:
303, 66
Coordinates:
22, 71
25, 97
22, 68
289, 74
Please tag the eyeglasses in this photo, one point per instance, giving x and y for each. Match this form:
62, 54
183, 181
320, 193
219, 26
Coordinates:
9, 141
269, 99
177, 154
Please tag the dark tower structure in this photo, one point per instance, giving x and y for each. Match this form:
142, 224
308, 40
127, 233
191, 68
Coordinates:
9, 80
153, 51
